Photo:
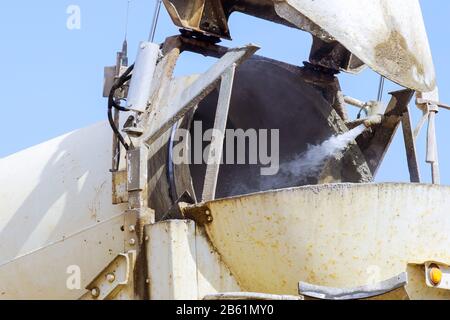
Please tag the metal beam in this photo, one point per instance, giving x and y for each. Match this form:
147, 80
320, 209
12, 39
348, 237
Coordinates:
421, 123
220, 125
410, 145
163, 118
432, 148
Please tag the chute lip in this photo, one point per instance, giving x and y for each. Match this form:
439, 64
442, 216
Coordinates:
399, 50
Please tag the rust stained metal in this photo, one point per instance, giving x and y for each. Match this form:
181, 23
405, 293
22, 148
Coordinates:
356, 234
211, 17
388, 36
115, 281
334, 56
119, 187
410, 146
395, 53
202, 47
200, 214
206, 16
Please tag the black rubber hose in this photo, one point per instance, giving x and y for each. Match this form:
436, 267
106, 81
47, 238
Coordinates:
112, 104
116, 131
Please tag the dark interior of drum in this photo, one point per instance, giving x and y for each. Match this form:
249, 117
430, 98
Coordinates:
266, 95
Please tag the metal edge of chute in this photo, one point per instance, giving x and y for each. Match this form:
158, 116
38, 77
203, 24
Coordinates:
399, 50
380, 289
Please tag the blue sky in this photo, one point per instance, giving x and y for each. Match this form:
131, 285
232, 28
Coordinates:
53, 76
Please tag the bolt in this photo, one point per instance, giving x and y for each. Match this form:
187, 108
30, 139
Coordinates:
435, 275
208, 213
132, 242
95, 292
110, 277
132, 228
210, 219
147, 238
147, 281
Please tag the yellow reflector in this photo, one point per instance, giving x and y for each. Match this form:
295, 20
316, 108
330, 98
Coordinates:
435, 276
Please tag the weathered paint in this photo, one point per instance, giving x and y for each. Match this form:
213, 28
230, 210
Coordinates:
55, 212
341, 236
389, 36
183, 265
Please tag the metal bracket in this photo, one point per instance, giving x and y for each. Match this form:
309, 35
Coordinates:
201, 214
423, 102
430, 109
113, 281
119, 187
131, 230
137, 169
207, 17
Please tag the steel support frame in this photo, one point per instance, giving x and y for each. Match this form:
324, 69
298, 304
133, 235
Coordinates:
161, 118
139, 212
375, 146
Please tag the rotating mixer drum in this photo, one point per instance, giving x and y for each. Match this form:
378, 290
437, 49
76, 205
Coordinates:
267, 94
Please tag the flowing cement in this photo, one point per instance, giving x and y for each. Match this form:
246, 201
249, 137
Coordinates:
311, 162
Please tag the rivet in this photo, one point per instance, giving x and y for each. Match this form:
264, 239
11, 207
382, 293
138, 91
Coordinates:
147, 238
208, 213
95, 292
132, 242
147, 281
110, 277
210, 219
132, 228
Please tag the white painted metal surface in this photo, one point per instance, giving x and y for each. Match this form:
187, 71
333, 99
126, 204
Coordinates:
333, 235
182, 263
56, 212
141, 82
387, 35
220, 125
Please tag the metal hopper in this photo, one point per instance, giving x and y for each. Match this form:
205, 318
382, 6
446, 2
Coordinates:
338, 236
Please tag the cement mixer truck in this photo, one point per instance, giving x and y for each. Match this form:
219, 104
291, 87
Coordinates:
247, 181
